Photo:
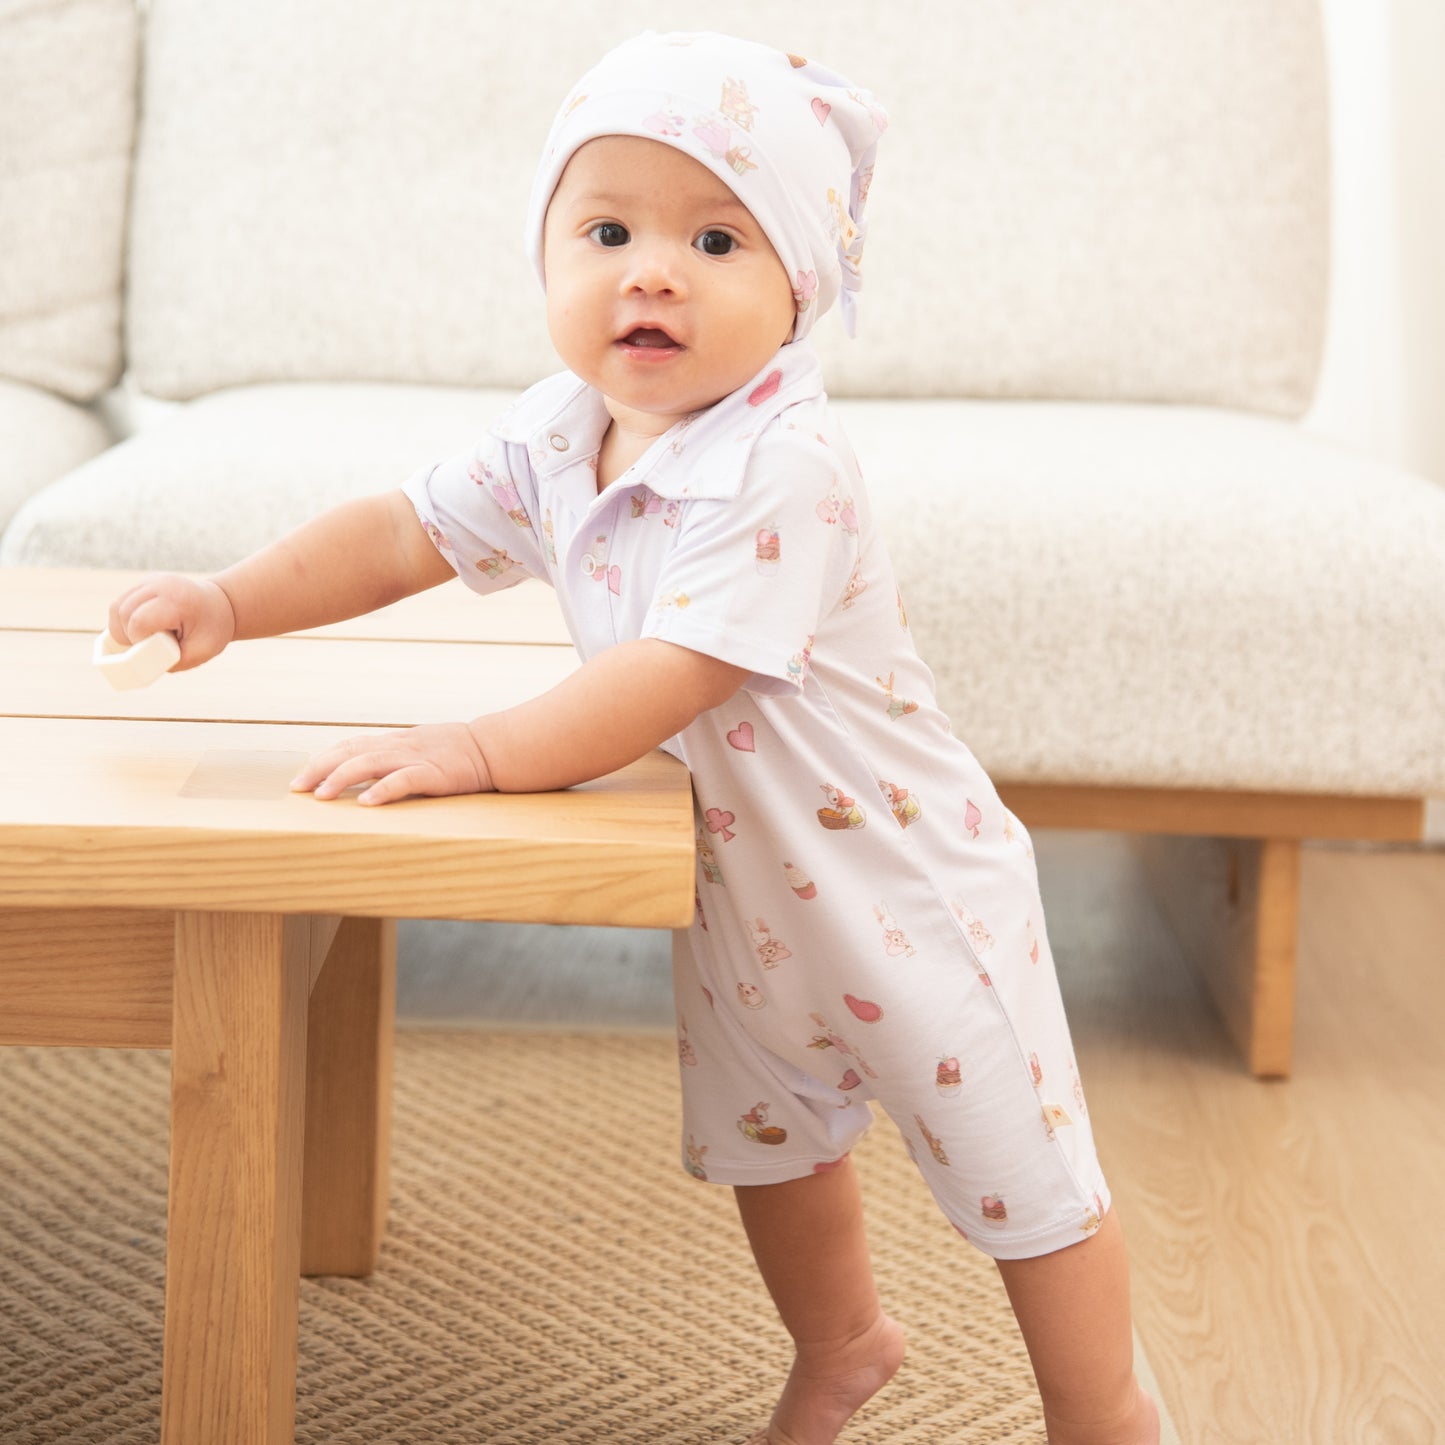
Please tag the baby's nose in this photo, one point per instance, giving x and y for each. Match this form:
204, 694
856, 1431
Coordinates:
655, 269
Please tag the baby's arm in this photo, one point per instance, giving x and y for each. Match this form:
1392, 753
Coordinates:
610, 712
352, 559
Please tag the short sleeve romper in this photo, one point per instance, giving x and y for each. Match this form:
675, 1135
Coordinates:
868, 922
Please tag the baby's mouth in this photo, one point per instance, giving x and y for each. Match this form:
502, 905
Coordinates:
649, 337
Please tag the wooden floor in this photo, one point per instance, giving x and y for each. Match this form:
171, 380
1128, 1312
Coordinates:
1286, 1238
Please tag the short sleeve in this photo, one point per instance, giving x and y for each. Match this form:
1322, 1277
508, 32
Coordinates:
750, 578
479, 509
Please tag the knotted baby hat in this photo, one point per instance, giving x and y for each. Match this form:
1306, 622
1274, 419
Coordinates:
792, 139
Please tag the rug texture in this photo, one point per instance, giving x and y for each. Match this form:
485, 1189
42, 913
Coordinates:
549, 1273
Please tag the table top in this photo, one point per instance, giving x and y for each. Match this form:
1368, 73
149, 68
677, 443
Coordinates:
176, 796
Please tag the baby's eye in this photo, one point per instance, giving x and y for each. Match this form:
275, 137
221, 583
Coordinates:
715, 243
609, 233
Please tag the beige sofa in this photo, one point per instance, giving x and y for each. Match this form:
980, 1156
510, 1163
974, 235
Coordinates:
1094, 310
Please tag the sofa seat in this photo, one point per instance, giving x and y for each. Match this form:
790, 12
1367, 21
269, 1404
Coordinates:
1167, 596
46, 436
1132, 595
215, 479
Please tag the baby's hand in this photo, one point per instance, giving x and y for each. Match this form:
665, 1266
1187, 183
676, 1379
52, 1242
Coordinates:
197, 612
434, 761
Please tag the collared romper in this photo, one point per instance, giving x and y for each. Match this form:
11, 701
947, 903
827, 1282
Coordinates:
868, 920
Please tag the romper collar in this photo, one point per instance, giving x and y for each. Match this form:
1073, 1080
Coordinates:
561, 421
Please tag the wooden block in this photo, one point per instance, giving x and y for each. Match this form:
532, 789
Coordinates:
86, 978
348, 1101
1234, 906
233, 1239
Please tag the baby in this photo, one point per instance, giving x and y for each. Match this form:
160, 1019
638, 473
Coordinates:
868, 922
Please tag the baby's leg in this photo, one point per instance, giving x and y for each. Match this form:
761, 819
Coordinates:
1073, 1309
808, 1239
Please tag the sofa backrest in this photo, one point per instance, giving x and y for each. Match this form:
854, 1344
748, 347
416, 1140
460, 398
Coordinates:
1125, 199
67, 126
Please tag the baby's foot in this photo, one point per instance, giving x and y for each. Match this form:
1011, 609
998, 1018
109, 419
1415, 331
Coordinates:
829, 1384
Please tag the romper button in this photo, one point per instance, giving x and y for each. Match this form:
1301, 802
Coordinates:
558, 441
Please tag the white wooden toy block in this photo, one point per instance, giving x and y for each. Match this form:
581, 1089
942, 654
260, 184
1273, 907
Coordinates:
138, 665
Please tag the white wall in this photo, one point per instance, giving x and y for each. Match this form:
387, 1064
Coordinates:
1417, 56
1384, 367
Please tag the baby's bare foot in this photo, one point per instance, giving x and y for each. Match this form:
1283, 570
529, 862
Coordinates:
829, 1384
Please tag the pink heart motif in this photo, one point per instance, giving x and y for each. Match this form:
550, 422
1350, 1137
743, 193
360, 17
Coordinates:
821, 109
719, 822
765, 388
850, 1080
741, 737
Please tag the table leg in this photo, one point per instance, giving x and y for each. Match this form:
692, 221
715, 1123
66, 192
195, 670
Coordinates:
348, 1100
238, 1093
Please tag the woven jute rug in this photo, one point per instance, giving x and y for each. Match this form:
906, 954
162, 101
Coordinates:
549, 1274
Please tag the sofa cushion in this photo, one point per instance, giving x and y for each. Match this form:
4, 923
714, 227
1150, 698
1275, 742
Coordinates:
217, 479
45, 437
1168, 596
67, 115
1074, 201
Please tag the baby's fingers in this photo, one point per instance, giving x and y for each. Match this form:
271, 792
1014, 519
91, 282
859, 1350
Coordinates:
337, 768
124, 609
155, 614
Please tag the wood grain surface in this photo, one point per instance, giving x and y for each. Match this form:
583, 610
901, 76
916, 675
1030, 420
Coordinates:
95, 815
69, 599
238, 1099
1287, 1258
287, 679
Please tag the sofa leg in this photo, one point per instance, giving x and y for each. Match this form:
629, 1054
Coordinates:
1234, 906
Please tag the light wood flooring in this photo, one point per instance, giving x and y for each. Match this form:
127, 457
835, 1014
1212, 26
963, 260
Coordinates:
1288, 1265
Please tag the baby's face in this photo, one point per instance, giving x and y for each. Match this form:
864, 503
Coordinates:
662, 290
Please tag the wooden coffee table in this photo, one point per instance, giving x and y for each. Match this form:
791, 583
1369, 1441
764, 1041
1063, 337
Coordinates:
161, 887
